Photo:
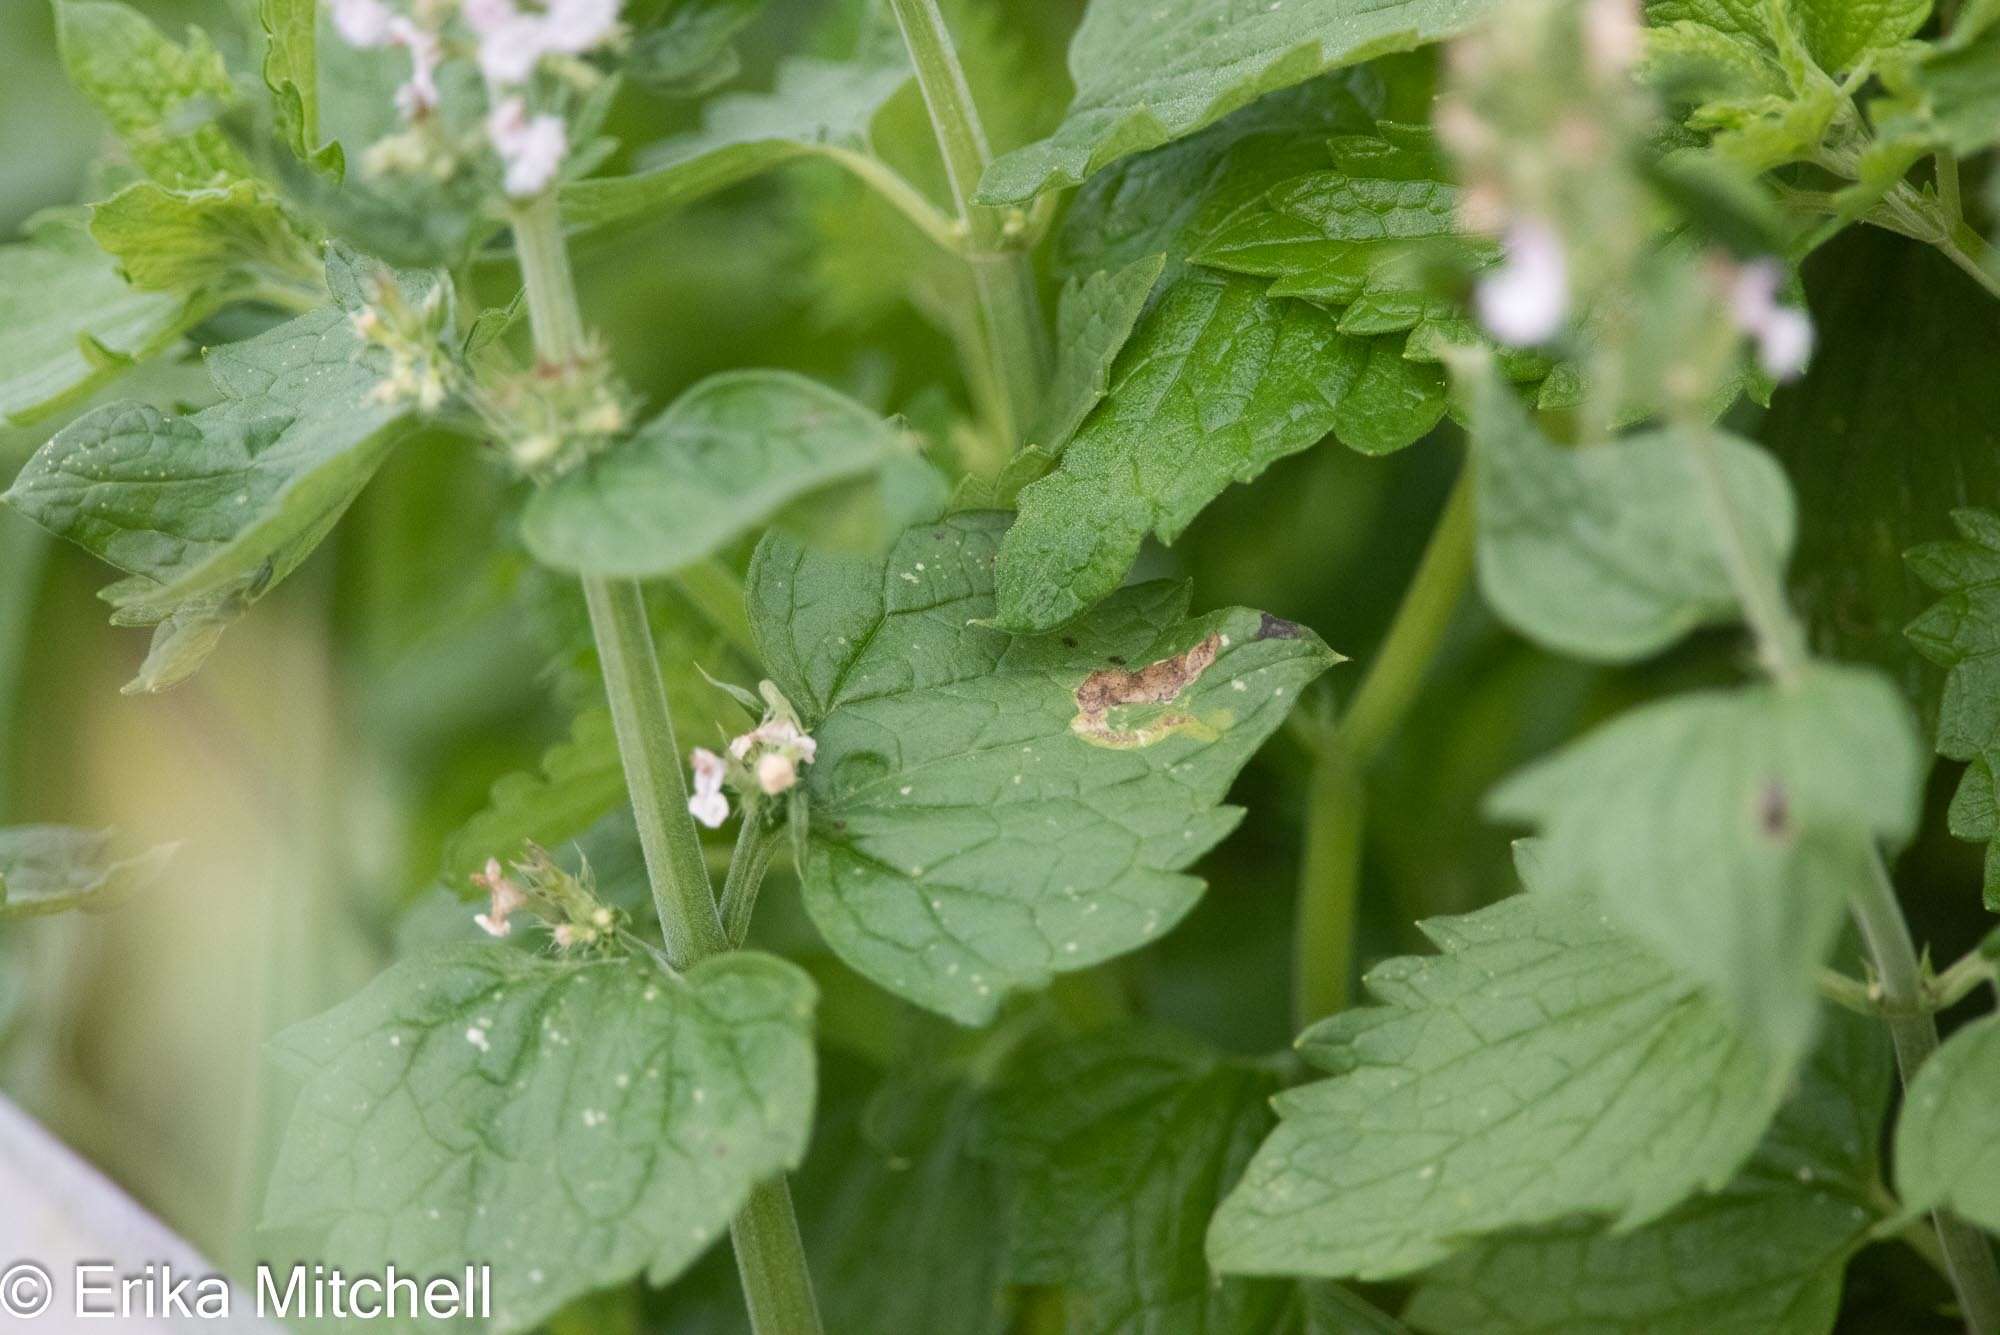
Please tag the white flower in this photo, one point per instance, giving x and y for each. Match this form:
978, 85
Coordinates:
512, 41
776, 772
708, 805
506, 897
575, 26
1784, 334
1523, 302
362, 23
531, 148
420, 93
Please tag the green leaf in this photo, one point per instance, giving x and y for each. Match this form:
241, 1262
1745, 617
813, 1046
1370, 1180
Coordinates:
571, 1123
1726, 828
1946, 1152
1220, 379
69, 322
1838, 35
731, 453
1896, 423
1219, 383
1608, 552
580, 779
819, 107
48, 869
1948, 96
207, 513
1149, 72
1126, 1141
1763, 1256
1093, 321
989, 811
1354, 230
1961, 632
237, 239
161, 98
291, 72
903, 1220
1543, 1066
687, 52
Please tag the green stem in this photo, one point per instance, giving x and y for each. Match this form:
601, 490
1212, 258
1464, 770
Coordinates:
776, 1283
1899, 982
681, 895
1017, 343
1397, 673
1899, 978
1330, 867
1968, 250
755, 842
1329, 889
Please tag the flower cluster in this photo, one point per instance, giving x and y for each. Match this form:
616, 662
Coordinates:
764, 760
567, 904
552, 415
421, 369
510, 44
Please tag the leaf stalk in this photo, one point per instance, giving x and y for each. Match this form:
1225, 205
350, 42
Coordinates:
1017, 341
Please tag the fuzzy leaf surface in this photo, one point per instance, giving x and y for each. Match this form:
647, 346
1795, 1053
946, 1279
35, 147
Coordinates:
727, 456
1148, 73
1946, 1151
1544, 1065
986, 810
228, 239
1608, 552
1126, 1142
1725, 828
1763, 1256
572, 1123
1219, 383
1348, 231
1093, 322
160, 97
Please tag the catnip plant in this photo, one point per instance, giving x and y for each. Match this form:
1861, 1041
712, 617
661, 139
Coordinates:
1689, 311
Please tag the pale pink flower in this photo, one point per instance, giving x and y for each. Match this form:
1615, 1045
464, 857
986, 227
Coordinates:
776, 772
1784, 334
420, 93
1524, 301
1613, 35
531, 148
575, 26
708, 805
506, 897
362, 23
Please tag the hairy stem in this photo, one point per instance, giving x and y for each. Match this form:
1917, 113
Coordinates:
1017, 343
1873, 904
755, 842
769, 1256
1330, 868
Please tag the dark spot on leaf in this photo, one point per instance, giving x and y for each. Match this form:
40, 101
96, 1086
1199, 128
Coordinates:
1119, 661
1774, 811
1277, 628
1069, 641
